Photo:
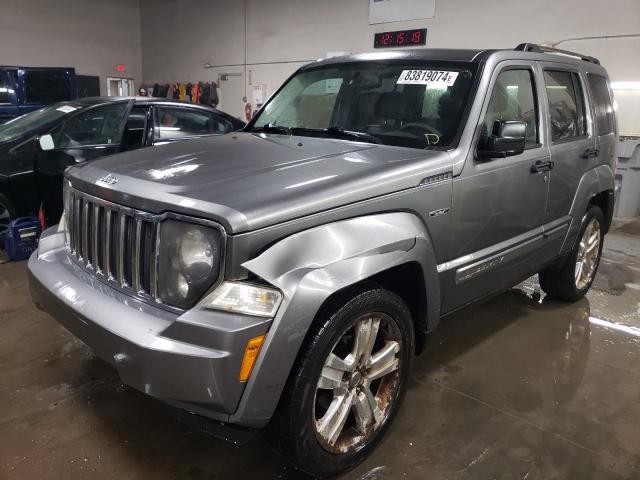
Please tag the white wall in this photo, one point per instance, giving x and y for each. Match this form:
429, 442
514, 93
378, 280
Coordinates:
179, 36
90, 35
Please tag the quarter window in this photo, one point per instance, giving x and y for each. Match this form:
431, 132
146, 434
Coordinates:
566, 105
95, 126
602, 104
173, 123
513, 98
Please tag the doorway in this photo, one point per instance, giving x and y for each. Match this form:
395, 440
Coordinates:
231, 93
120, 87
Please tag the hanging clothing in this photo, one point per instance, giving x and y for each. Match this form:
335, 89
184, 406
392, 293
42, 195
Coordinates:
176, 91
195, 93
189, 92
205, 93
183, 91
214, 100
156, 91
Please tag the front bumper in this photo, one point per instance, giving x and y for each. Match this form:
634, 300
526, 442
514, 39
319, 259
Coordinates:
191, 360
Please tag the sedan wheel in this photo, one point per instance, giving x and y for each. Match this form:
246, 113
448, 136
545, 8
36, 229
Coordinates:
358, 384
5, 218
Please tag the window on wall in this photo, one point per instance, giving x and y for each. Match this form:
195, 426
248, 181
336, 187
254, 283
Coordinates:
513, 98
602, 104
566, 105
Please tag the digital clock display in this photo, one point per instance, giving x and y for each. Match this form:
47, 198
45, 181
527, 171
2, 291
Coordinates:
401, 38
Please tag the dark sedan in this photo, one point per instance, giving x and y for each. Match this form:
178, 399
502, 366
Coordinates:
36, 148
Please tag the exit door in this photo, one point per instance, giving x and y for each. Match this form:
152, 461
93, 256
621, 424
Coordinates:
231, 94
120, 87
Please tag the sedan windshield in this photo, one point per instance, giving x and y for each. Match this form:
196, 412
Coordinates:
33, 121
402, 104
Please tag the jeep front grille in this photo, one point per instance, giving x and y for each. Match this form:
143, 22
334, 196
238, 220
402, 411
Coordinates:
117, 244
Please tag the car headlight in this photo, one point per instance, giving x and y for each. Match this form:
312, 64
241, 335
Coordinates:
244, 298
189, 262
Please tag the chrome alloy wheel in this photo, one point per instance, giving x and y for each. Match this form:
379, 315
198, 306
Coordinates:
588, 251
359, 384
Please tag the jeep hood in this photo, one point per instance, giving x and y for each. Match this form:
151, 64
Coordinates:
248, 181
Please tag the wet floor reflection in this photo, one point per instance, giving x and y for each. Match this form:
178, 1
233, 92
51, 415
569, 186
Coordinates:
517, 387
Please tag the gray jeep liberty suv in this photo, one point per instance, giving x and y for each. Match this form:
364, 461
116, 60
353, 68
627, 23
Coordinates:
285, 275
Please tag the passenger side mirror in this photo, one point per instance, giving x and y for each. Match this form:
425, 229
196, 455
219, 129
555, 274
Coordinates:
46, 143
508, 138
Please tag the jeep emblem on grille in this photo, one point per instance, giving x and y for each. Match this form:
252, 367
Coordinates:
108, 179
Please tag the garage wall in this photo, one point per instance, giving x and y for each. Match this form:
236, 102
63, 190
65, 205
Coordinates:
179, 36
90, 35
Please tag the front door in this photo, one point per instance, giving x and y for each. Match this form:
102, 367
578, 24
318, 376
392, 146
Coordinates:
93, 133
499, 204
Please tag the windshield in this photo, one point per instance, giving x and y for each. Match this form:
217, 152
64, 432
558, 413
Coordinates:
36, 119
402, 104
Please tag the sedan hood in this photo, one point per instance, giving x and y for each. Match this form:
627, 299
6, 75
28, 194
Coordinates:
248, 181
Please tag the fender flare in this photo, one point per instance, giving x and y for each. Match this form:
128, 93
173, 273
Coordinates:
597, 180
310, 266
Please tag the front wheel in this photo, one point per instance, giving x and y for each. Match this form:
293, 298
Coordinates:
573, 279
348, 384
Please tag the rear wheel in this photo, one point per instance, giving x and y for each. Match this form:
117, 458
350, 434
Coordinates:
572, 280
6, 213
347, 386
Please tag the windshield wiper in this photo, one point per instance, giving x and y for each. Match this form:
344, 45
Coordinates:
270, 128
337, 132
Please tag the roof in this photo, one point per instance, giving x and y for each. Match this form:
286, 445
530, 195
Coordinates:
528, 51
138, 100
433, 54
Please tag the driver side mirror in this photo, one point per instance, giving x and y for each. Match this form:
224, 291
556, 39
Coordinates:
508, 138
46, 143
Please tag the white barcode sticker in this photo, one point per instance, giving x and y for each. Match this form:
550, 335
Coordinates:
427, 77
66, 109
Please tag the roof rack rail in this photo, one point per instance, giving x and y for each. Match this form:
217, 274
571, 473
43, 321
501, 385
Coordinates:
533, 47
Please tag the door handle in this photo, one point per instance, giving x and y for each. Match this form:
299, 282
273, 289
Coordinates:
542, 166
590, 152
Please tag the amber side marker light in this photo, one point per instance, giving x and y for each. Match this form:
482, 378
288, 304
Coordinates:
250, 356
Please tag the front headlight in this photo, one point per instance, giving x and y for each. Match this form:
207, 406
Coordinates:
244, 298
189, 262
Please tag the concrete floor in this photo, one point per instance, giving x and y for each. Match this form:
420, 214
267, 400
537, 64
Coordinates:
519, 387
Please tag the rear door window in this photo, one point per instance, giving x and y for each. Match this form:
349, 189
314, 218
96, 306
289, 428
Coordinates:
46, 86
566, 105
602, 104
174, 123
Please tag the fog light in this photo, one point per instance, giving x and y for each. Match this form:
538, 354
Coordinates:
250, 357
244, 298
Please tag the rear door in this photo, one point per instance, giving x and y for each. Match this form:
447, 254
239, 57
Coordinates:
173, 123
572, 140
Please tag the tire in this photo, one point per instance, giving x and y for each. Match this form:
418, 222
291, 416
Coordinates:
302, 425
565, 282
6, 214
